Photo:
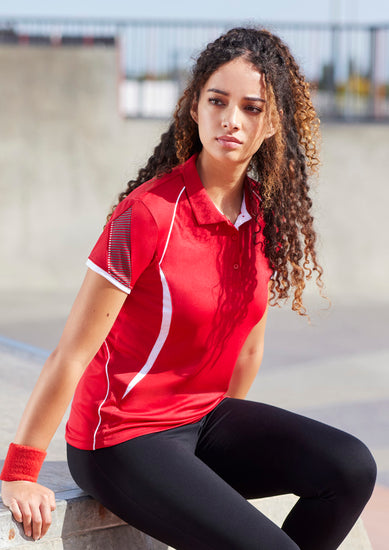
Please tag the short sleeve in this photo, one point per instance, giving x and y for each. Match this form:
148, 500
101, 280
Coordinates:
126, 246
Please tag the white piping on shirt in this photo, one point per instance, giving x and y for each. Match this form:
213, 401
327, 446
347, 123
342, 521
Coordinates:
165, 326
166, 315
171, 225
107, 276
105, 398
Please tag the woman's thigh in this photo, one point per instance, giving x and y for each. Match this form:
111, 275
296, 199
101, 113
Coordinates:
157, 484
263, 450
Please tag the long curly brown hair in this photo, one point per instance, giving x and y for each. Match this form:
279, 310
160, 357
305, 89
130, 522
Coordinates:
282, 164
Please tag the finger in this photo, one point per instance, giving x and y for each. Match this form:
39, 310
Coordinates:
53, 504
45, 510
17, 514
26, 513
36, 520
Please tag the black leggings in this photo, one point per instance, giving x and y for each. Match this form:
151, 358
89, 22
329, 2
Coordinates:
188, 486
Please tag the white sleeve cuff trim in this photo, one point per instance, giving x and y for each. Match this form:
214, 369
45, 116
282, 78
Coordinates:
107, 276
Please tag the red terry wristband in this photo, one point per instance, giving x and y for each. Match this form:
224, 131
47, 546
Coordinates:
22, 463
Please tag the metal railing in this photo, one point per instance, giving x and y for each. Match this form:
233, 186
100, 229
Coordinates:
347, 65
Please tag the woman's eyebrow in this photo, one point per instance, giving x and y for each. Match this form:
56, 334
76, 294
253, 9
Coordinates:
221, 92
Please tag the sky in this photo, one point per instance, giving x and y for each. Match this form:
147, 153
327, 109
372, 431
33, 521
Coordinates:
341, 11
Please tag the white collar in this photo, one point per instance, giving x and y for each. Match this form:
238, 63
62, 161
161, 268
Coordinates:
244, 215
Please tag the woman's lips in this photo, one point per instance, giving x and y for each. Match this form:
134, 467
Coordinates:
229, 142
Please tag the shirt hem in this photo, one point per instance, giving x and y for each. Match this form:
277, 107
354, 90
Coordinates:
133, 432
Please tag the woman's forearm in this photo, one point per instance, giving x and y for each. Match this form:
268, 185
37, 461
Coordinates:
49, 401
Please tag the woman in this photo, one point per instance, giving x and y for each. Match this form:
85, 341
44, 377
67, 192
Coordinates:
166, 334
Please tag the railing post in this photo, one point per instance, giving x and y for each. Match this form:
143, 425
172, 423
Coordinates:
335, 56
373, 95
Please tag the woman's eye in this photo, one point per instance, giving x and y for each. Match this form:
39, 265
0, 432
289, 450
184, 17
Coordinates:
253, 109
215, 101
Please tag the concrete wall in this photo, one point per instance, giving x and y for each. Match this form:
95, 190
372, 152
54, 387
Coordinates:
65, 153
351, 209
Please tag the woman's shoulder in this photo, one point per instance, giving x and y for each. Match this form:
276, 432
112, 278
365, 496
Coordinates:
160, 194
154, 198
164, 186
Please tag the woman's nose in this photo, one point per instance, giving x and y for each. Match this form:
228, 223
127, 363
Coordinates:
231, 119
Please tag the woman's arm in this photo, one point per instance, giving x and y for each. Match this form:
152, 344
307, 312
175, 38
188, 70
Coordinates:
249, 361
94, 311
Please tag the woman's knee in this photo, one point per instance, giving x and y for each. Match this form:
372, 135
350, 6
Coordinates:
356, 469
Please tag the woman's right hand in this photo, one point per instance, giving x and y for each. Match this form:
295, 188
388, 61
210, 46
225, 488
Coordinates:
30, 504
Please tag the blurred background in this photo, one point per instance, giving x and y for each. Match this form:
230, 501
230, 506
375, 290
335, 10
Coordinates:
86, 89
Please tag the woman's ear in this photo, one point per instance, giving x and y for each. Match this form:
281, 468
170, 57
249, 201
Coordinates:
273, 124
193, 111
271, 130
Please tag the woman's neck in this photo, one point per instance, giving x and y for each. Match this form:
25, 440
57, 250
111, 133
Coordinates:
224, 184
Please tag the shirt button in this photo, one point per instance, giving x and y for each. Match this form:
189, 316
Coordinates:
234, 237
236, 266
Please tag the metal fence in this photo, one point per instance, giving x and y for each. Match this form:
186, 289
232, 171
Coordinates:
347, 65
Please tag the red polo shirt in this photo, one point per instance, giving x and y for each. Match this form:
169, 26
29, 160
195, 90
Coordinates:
196, 287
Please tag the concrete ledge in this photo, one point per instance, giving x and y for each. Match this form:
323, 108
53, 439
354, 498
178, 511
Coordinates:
277, 508
81, 523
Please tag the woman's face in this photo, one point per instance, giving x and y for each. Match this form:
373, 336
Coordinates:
232, 113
